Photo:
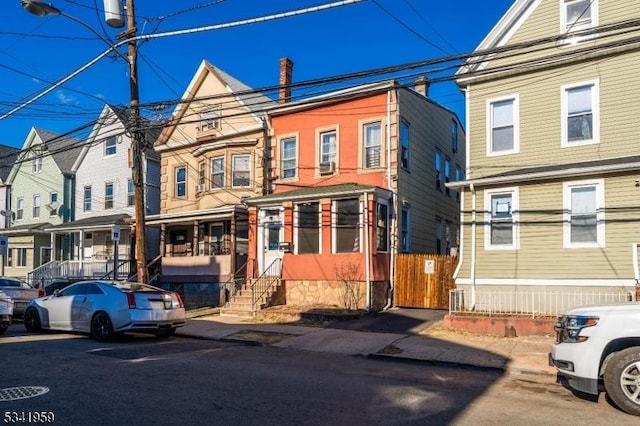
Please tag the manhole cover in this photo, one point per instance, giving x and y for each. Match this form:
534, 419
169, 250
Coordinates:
22, 392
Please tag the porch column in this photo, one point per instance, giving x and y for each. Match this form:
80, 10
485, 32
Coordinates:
195, 248
81, 249
163, 237
53, 246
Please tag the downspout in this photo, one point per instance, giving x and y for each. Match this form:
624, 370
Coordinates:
394, 213
367, 251
473, 246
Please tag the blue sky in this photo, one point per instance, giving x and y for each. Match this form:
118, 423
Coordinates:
37, 51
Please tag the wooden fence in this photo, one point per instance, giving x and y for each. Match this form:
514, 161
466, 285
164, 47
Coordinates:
424, 280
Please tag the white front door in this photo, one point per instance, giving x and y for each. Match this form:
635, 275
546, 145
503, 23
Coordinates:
87, 245
271, 236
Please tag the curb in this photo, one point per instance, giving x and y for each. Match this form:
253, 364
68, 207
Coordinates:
440, 362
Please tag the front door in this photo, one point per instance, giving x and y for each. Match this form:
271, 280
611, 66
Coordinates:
272, 236
87, 245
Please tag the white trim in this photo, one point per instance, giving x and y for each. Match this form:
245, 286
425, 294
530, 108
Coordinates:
548, 282
595, 113
563, 20
296, 221
515, 98
600, 216
515, 218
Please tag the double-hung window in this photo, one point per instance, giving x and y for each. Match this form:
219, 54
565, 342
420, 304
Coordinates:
346, 225
181, 181
454, 136
580, 114
502, 126
308, 230
20, 209
288, 157
217, 172
110, 146
501, 219
372, 133
576, 15
108, 195
36, 205
584, 214
86, 200
36, 164
447, 174
241, 171
202, 173
328, 146
131, 190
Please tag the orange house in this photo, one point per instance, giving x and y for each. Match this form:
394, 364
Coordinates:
347, 175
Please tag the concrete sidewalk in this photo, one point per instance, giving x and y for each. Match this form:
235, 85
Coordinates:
519, 356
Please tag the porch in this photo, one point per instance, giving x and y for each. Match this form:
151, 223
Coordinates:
76, 270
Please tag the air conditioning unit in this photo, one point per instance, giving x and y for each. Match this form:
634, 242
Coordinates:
327, 167
199, 188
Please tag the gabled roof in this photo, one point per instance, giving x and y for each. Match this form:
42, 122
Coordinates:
254, 102
8, 157
500, 34
63, 149
93, 223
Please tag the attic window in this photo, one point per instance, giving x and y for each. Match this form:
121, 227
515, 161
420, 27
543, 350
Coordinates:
209, 119
36, 164
110, 146
578, 15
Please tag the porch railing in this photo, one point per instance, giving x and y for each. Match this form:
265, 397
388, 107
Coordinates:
234, 284
70, 269
530, 303
264, 283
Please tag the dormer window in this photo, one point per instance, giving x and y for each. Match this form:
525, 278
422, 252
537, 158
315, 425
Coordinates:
578, 15
209, 119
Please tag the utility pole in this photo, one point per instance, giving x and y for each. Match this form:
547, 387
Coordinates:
137, 146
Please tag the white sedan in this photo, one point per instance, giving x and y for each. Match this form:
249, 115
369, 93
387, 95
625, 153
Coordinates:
105, 308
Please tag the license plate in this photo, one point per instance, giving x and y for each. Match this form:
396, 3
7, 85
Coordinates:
20, 305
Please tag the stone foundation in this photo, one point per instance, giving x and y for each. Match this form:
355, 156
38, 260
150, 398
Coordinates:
335, 293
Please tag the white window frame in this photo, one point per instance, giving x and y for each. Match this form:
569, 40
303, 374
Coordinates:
331, 154
287, 160
21, 257
210, 119
180, 183
595, 113
515, 218
37, 201
214, 174
600, 216
86, 201
387, 227
515, 99
20, 208
371, 145
109, 198
131, 191
110, 144
36, 164
334, 227
563, 17
235, 157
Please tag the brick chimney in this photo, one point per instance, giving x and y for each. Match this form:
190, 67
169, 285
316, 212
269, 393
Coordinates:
286, 71
421, 85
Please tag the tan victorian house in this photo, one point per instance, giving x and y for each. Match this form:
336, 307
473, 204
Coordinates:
550, 201
211, 161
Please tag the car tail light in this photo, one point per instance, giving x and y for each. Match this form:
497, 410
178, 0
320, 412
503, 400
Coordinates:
180, 302
131, 298
41, 293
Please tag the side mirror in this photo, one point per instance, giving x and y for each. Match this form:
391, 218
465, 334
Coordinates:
56, 292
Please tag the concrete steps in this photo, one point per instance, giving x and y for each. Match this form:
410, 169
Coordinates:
241, 304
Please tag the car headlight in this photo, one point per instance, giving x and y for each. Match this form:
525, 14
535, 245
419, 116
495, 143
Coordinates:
568, 328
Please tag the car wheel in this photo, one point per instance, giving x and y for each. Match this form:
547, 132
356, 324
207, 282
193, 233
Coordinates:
3, 327
101, 327
32, 320
168, 332
622, 380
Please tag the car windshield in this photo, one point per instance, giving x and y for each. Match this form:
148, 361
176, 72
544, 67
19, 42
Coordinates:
8, 282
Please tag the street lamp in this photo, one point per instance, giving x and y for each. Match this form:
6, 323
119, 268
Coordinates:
39, 8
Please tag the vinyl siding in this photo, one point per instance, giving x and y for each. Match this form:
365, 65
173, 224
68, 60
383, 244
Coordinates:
541, 254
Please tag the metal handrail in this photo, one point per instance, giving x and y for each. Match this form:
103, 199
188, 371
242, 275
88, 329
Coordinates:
263, 283
234, 284
149, 265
